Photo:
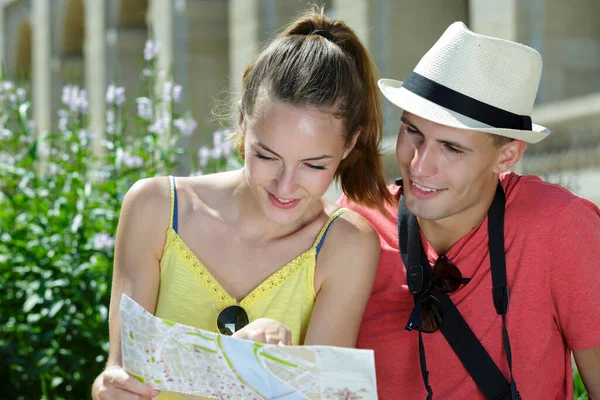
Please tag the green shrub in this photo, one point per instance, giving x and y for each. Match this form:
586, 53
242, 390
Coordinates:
59, 207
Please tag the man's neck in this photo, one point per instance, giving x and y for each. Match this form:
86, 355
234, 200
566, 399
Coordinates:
444, 233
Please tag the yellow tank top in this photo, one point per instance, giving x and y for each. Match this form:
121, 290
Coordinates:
188, 293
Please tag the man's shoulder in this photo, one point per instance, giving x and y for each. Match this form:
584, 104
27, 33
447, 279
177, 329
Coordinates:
533, 196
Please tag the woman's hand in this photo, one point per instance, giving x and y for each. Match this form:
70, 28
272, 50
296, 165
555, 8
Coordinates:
116, 384
266, 330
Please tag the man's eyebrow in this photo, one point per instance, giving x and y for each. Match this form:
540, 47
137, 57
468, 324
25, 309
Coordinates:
318, 158
446, 142
407, 122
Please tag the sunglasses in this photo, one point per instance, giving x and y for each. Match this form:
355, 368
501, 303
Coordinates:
231, 319
445, 277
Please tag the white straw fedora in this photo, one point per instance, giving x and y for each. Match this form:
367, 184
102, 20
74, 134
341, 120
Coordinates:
474, 82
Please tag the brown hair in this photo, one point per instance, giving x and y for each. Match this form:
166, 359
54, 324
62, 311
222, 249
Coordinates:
500, 141
336, 74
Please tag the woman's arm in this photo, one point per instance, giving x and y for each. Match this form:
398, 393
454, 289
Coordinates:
139, 242
344, 277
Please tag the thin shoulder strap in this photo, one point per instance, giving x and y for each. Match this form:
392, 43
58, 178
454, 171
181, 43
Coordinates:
323, 233
173, 188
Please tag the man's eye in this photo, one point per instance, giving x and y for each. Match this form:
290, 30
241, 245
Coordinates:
410, 129
454, 150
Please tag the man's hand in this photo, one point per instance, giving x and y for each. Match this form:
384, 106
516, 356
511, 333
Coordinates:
266, 330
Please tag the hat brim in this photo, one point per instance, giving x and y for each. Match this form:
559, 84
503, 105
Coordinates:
415, 104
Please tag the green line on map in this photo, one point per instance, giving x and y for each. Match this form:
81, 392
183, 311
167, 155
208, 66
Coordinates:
257, 346
204, 348
166, 321
182, 345
139, 378
232, 369
200, 335
279, 360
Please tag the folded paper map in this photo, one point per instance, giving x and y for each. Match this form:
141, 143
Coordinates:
177, 358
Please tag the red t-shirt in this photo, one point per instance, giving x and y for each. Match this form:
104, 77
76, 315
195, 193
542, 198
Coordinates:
552, 241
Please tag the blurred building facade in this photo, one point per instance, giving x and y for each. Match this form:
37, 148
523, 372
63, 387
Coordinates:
206, 45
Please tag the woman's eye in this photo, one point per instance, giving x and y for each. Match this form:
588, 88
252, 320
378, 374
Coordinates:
263, 157
317, 167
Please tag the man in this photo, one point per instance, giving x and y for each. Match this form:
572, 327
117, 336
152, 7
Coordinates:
466, 122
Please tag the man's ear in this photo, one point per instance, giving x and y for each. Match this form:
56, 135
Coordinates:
352, 143
508, 155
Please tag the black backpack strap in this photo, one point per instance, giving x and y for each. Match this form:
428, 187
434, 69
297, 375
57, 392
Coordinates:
458, 334
500, 292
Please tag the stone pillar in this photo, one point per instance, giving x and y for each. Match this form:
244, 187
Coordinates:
203, 67
2, 36
245, 22
160, 21
41, 95
251, 24
94, 50
494, 18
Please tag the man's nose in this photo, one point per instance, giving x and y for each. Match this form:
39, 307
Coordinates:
424, 161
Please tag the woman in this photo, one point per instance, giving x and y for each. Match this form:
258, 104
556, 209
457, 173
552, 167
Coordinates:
309, 113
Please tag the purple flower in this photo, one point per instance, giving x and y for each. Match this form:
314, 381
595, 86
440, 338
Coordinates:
75, 99
177, 93
186, 125
161, 124
217, 138
6, 158
5, 134
216, 152
150, 50
132, 161
203, 155
144, 107
103, 242
43, 151
110, 121
63, 120
21, 94
227, 148
115, 95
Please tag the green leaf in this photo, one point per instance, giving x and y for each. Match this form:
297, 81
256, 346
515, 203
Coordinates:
31, 302
23, 119
56, 381
55, 308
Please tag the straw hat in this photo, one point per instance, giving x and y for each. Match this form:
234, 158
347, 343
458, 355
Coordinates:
474, 82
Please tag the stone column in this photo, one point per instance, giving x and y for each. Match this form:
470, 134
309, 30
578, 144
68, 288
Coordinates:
41, 94
244, 37
2, 36
160, 21
494, 18
95, 60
